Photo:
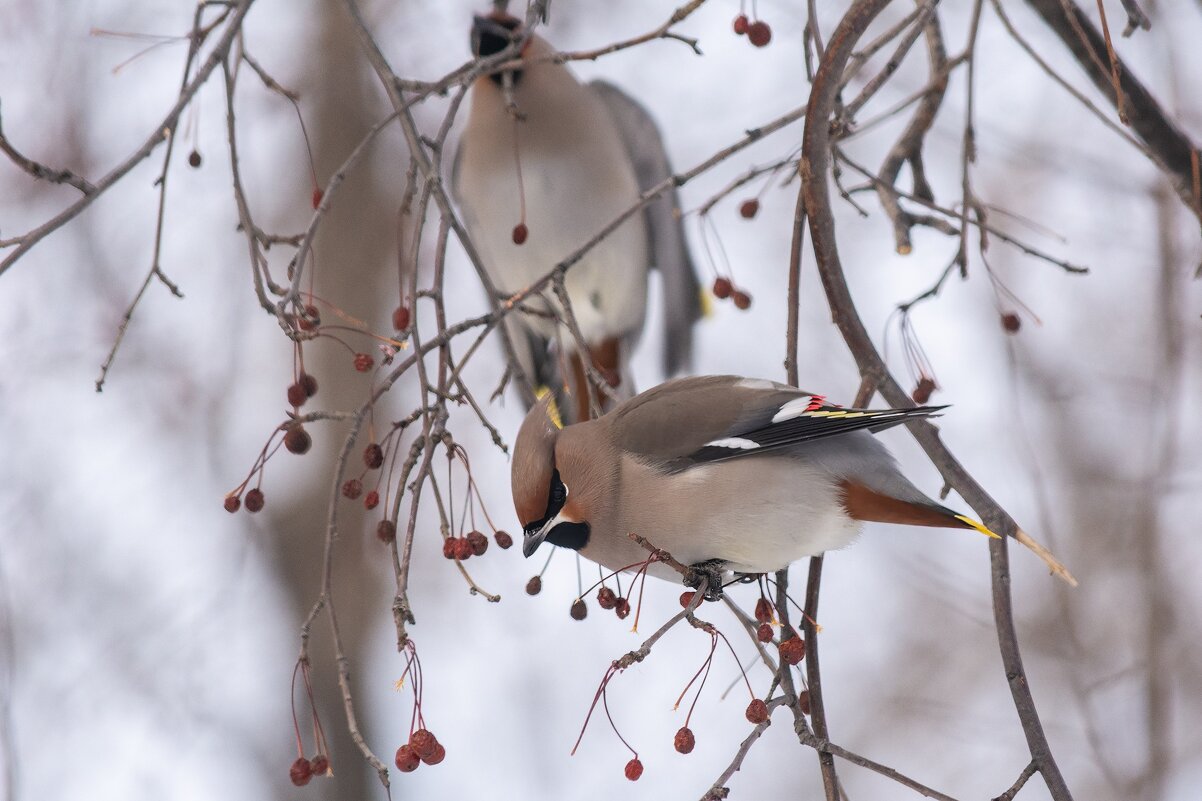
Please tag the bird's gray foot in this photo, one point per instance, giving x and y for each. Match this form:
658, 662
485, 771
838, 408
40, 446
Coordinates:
712, 571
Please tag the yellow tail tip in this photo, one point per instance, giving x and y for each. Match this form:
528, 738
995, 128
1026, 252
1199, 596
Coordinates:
968, 521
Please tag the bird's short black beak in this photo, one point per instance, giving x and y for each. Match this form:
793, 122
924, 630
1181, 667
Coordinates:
493, 33
534, 538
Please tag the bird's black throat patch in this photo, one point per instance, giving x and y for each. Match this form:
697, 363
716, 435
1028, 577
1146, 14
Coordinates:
570, 535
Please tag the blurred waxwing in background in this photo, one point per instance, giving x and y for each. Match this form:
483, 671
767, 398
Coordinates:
725, 473
572, 157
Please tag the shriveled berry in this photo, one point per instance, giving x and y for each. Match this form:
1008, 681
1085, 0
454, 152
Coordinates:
622, 608
606, 598
478, 541
759, 34
439, 755
634, 769
297, 395
386, 531
373, 456
463, 549
1011, 323
320, 765
741, 24
423, 743
504, 541
309, 383
448, 548
742, 300
722, 288
406, 760
534, 586
300, 772
311, 320
686, 598
401, 318
297, 440
803, 702
317, 196
352, 489
793, 650
684, 740
232, 503
371, 500
749, 208
364, 362
757, 711
764, 633
254, 500
922, 392
520, 232
194, 159
763, 610
579, 610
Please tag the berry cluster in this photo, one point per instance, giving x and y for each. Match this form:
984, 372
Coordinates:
723, 288
463, 548
757, 32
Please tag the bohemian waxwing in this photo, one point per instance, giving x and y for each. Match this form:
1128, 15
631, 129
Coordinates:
573, 156
729, 473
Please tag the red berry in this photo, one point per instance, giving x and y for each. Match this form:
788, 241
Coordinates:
448, 548
232, 503
579, 610
686, 598
759, 34
463, 549
757, 711
423, 743
317, 196
297, 395
439, 755
722, 288
520, 232
606, 599
311, 320
400, 318
478, 541
764, 633
742, 300
309, 383
320, 765
504, 541
1011, 323
763, 610
300, 772
622, 608
406, 760
386, 531
922, 392
254, 500
749, 208
194, 159
364, 362
534, 586
371, 500
352, 489
803, 701
634, 769
685, 740
793, 650
297, 440
373, 456
741, 24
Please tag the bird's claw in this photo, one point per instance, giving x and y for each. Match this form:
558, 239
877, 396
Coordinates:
712, 572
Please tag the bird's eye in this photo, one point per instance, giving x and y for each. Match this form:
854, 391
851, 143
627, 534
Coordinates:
558, 496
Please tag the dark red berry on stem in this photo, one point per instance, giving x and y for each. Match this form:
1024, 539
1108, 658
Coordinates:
759, 34
741, 24
373, 456
317, 196
364, 362
520, 232
606, 599
386, 531
1011, 323
764, 633
685, 740
297, 395
634, 769
254, 500
579, 610
297, 440
534, 586
371, 500
400, 318
352, 489
622, 608
300, 772
423, 743
763, 610
478, 541
309, 383
686, 598
793, 650
194, 159
722, 288
406, 760
504, 541
311, 320
922, 392
232, 503
803, 702
463, 549
742, 300
749, 208
439, 755
757, 711
448, 548
320, 765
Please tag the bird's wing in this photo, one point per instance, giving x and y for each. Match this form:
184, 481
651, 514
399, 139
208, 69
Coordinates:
714, 418
665, 226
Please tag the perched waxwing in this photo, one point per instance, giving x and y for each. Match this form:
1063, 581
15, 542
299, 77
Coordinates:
562, 159
725, 473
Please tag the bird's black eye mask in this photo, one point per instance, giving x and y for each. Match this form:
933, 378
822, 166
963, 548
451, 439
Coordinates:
490, 36
567, 534
556, 498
